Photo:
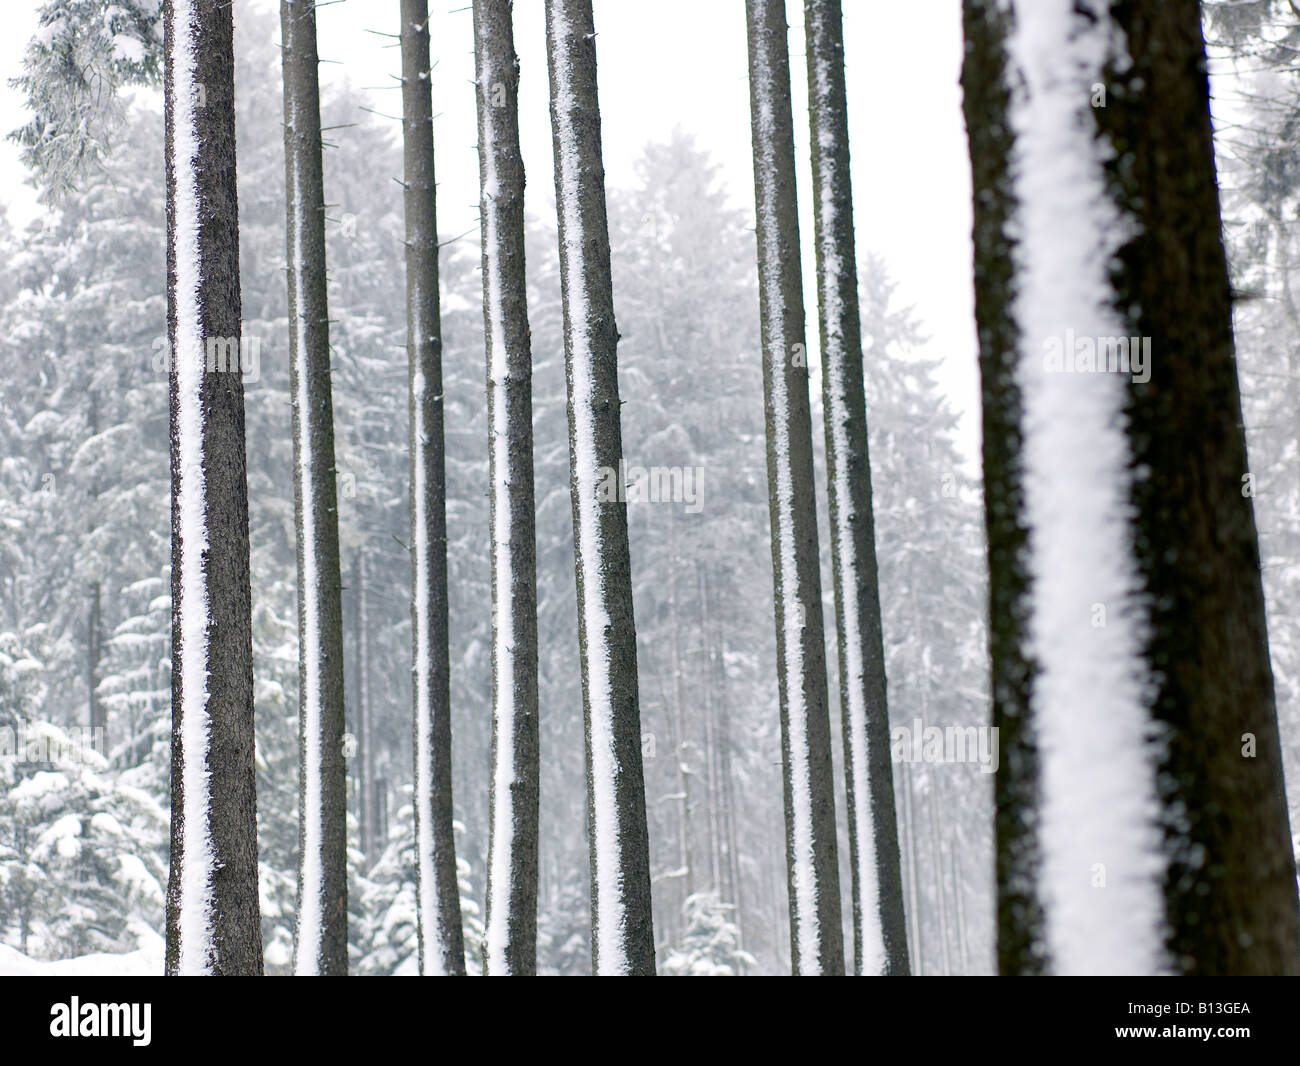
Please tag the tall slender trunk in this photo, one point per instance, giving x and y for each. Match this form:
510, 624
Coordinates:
511, 942
879, 928
622, 927
816, 942
94, 649
1130, 655
213, 918
365, 760
442, 948
321, 946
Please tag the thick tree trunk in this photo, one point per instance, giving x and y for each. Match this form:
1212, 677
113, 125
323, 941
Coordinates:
816, 943
622, 930
321, 945
1125, 585
213, 917
511, 946
437, 891
879, 928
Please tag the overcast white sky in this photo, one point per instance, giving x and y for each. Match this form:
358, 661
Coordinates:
683, 62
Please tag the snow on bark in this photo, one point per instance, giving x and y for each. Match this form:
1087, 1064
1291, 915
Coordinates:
196, 949
311, 907
1091, 693
430, 917
808, 933
437, 895
497, 934
588, 541
843, 409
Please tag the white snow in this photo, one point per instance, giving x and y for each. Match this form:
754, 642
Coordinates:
1099, 813
788, 592
311, 908
610, 913
833, 366
197, 860
496, 938
145, 961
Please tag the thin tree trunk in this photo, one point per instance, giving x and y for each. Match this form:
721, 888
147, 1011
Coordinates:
959, 909
94, 649
213, 917
622, 927
1124, 558
321, 946
816, 942
437, 891
879, 928
365, 748
511, 941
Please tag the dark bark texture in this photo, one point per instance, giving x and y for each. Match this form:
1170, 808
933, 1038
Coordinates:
424, 358
1230, 891
497, 70
857, 591
317, 531
986, 101
236, 917
572, 61
1231, 886
785, 360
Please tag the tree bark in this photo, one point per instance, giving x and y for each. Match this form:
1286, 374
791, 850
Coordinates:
1214, 878
321, 946
213, 917
816, 943
879, 927
622, 929
437, 891
511, 918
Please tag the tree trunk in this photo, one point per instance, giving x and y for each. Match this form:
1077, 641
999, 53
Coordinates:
622, 929
437, 891
371, 846
321, 945
879, 928
816, 943
511, 941
1125, 585
94, 649
213, 918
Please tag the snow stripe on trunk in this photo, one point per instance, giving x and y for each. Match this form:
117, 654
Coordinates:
310, 928
807, 925
611, 916
873, 959
197, 852
497, 938
1090, 696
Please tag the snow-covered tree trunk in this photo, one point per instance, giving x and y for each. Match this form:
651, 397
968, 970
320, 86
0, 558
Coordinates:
816, 943
365, 754
1141, 820
879, 928
511, 937
321, 944
437, 892
622, 929
213, 919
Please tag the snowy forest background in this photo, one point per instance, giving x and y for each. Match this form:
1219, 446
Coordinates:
84, 551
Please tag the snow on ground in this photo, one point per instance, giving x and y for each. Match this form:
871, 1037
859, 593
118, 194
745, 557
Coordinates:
145, 961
